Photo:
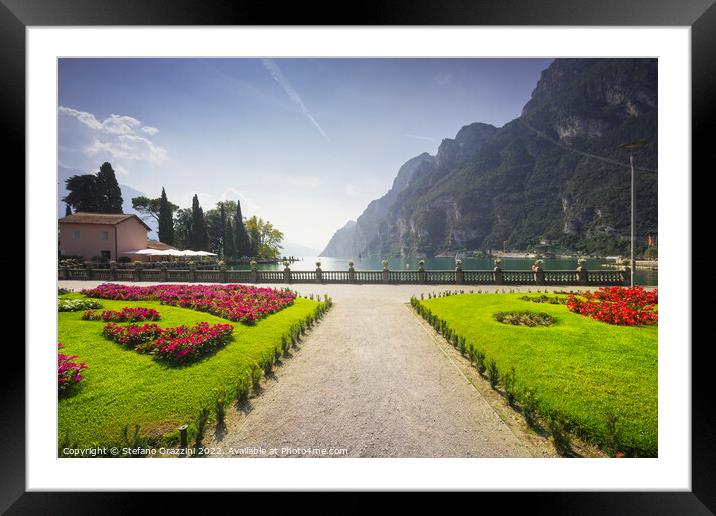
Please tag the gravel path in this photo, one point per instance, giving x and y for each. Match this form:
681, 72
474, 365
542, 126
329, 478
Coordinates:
369, 381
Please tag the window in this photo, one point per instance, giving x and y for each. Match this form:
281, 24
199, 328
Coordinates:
76, 234
104, 235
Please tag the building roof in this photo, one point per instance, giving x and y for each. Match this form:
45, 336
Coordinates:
160, 246
84, 217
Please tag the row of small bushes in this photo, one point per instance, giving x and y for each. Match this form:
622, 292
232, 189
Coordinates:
519, 396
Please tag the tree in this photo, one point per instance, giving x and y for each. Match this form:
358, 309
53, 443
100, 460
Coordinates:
99, 193
182, 228
82, 194
199, 234
149, 208
68, 210
242, 242
265, 238
229, 246
166, 221
108, 190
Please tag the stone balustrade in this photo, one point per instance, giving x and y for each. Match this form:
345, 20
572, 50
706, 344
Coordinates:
457, 276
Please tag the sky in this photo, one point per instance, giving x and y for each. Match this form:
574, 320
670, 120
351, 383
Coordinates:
303, 143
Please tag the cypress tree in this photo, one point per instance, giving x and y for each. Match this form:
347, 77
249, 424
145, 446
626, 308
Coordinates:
109, 193
229, 245
166, 220
241, 242
199, 234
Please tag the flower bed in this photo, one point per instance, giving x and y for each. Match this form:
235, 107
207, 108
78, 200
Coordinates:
180, 344
193, 342
525, 318
617, 305
126, 314
68, 372
131, 335
235, 302
77, 305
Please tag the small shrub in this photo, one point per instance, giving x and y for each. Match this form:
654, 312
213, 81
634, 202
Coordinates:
529, 407
558, 433
461, 347
480, 362
201, 422
266, 363
492, 373
255, 378
508, 382
243, 388
220, 408
613, 437
285, 344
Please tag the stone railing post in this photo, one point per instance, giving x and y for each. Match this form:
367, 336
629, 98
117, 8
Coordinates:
163, 274
286, 272
538, 272
113, 270
386, 272
627, 276
319, 273
192, 272
582, 276
137, 271
421, 271
497, 277
459, 274
351, 272
222, 268
254, 276
64, 272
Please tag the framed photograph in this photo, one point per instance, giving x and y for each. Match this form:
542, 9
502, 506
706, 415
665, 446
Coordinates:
420, 249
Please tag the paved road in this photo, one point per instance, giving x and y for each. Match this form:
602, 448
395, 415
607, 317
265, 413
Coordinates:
370, 381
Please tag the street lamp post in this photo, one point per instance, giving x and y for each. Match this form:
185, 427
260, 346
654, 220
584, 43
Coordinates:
632, 261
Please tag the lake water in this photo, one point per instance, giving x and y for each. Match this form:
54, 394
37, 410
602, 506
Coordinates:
643, 277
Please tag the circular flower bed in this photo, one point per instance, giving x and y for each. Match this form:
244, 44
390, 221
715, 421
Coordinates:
617, 305
525, 318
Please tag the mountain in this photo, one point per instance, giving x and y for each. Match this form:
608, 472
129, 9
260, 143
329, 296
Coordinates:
555, 173
127, 194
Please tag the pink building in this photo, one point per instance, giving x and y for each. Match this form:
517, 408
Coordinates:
107, 235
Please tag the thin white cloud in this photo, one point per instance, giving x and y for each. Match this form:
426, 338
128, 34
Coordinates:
119, 136
418, 137
281, 79
127, 146
87, 119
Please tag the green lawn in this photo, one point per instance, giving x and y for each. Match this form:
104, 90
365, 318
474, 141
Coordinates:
578, 367
123, 388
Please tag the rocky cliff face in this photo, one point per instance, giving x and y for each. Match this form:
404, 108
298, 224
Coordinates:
555, 173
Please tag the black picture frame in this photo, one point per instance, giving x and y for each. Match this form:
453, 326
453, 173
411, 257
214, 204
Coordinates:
700, 15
